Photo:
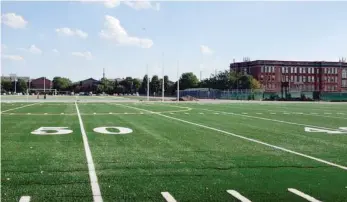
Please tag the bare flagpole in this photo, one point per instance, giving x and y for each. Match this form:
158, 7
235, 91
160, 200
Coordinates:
178, 82
162, 91
147, 84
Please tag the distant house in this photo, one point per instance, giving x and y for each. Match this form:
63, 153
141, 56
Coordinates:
87, 85
41, 83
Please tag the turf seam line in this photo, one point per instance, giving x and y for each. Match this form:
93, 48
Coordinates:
92, 174
19, 107
238, 196
303, 195
168, 197
246, 138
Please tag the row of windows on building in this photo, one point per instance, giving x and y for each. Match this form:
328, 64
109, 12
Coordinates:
344, 73
344, 83
309, 87
300, 70
295, 78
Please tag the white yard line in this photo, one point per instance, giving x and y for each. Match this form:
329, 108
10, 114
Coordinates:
303, 195
92, 174
267, 119
245, 138
19, 107
168, 197
24, 199
238, 196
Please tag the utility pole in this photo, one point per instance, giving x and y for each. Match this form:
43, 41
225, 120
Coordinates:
162, 91
178, 82
147, 84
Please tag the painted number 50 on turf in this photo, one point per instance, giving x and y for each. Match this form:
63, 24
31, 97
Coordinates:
65, 130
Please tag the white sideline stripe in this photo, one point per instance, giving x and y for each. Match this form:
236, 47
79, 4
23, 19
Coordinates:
238, 196
168, 197
24, 199
246, 138
303, 195
273, 120
92, 175
19, 107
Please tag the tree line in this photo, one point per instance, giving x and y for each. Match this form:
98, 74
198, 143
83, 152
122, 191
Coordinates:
224, 80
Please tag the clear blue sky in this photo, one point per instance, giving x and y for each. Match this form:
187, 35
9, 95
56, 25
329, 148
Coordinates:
227, 30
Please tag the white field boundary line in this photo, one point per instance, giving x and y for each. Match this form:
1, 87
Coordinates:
238, 196
24, 199
245, 138
92, 174
267, 119
19, 107
303, 195
290, 111
168, 197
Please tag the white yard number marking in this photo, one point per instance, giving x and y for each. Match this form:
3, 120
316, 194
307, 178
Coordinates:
104, 130
52, 131
341, 130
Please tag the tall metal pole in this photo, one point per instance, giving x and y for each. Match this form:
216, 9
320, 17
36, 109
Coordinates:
178, 81
44, 84
162, 91
147, 84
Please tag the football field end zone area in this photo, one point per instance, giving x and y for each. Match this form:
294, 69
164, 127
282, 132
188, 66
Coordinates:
163, 155
44, 167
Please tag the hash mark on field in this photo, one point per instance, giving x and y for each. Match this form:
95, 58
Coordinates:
168, 197
238, 196
272, 113
216, 113
314, 113
45, 113
186, 113
61, 113
125, 112
171, 113
110, 113
24, 199
286, 113
28, 113
259, 113
303, 195
327, 113
244, 113
340, 113
201, 113
94, 113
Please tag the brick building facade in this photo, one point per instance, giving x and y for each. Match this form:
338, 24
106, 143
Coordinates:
41, 83
297, 75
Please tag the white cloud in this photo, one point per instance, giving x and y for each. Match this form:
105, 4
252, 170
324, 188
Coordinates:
65, 31
32, 49
111, 3
3, 47
55, 51
87, 55
13, 57
115, 32
13, 20
142, 4
206, 50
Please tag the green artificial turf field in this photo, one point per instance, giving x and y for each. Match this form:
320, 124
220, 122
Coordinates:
186, 151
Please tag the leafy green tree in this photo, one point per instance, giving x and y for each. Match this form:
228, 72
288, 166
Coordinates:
154, 85
22, 85
136, 85
62, 84
6, 85
143, 87
188, 80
